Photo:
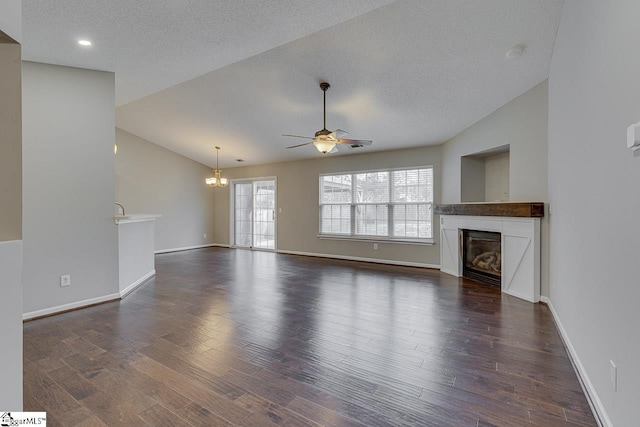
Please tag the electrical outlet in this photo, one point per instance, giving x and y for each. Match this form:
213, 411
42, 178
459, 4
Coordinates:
204, 236
375, 246
614, 375
65, 280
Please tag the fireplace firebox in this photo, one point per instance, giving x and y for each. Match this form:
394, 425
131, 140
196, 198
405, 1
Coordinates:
482, 256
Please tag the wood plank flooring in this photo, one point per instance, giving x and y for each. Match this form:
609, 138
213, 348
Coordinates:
226, 337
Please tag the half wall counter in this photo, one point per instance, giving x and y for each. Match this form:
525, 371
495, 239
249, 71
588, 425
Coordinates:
136, 245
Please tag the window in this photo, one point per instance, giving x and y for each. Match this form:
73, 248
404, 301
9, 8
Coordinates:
391, 204
335, 204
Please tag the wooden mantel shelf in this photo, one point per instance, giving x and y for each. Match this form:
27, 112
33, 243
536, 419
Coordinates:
510, 209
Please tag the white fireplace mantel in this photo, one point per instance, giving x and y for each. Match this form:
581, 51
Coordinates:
520, 238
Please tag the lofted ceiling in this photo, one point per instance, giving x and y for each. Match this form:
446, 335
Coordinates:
193, 74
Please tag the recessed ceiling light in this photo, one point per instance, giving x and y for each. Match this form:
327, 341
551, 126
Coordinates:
515, 52
84, 42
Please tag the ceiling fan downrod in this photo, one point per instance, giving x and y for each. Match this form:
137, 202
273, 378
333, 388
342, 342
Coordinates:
324, 86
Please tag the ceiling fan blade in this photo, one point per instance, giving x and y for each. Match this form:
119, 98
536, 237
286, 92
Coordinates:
300, 145
299, 136
339, 133
333, 150
355, 141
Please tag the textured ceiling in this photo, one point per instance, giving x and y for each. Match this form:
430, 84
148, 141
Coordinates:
154, 44
238, 74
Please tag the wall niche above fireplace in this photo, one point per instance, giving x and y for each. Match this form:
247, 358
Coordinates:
484, 176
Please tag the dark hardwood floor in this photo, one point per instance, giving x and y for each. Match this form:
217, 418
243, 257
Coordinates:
230, 337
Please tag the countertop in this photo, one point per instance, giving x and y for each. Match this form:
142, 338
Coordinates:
125, 219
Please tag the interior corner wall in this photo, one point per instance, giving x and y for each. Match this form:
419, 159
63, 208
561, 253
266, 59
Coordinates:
153, 180
297, 196
522, 124
10, 141
68, 186
594, 95
472, 179
11, 206
496, 177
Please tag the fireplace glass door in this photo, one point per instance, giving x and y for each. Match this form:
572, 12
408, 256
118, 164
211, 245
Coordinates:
482, 256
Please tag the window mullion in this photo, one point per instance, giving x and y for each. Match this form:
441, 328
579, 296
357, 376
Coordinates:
353, 205
353, 220
390, 220
389, 206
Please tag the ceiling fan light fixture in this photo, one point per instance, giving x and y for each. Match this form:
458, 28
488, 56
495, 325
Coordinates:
324, 145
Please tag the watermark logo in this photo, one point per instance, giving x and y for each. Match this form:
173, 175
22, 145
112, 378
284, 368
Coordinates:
10, 419
6, 419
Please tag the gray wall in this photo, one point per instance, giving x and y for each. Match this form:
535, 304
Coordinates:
11, 19
153, 180
496, 177
11, 206
68, 185
10, 141
522, 124
298, 198
594, 197
472, 179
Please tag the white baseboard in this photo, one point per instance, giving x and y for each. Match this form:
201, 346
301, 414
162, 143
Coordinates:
126, 291
70, 306
521, 296
186, 248
354, 258
589, 390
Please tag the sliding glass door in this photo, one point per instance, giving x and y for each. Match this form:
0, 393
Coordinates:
264, 214
243, 209
254, 214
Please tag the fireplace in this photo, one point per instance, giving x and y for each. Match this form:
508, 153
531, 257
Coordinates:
482, 256
518, 225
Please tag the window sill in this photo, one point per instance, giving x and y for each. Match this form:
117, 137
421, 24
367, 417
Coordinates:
377, 239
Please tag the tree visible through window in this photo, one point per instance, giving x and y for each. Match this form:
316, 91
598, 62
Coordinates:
395, 204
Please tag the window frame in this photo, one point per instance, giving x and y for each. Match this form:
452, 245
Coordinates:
390, 204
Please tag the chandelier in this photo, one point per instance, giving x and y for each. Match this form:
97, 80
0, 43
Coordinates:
217, 180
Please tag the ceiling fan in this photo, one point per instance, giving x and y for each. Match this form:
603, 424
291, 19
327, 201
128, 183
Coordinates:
325, 140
